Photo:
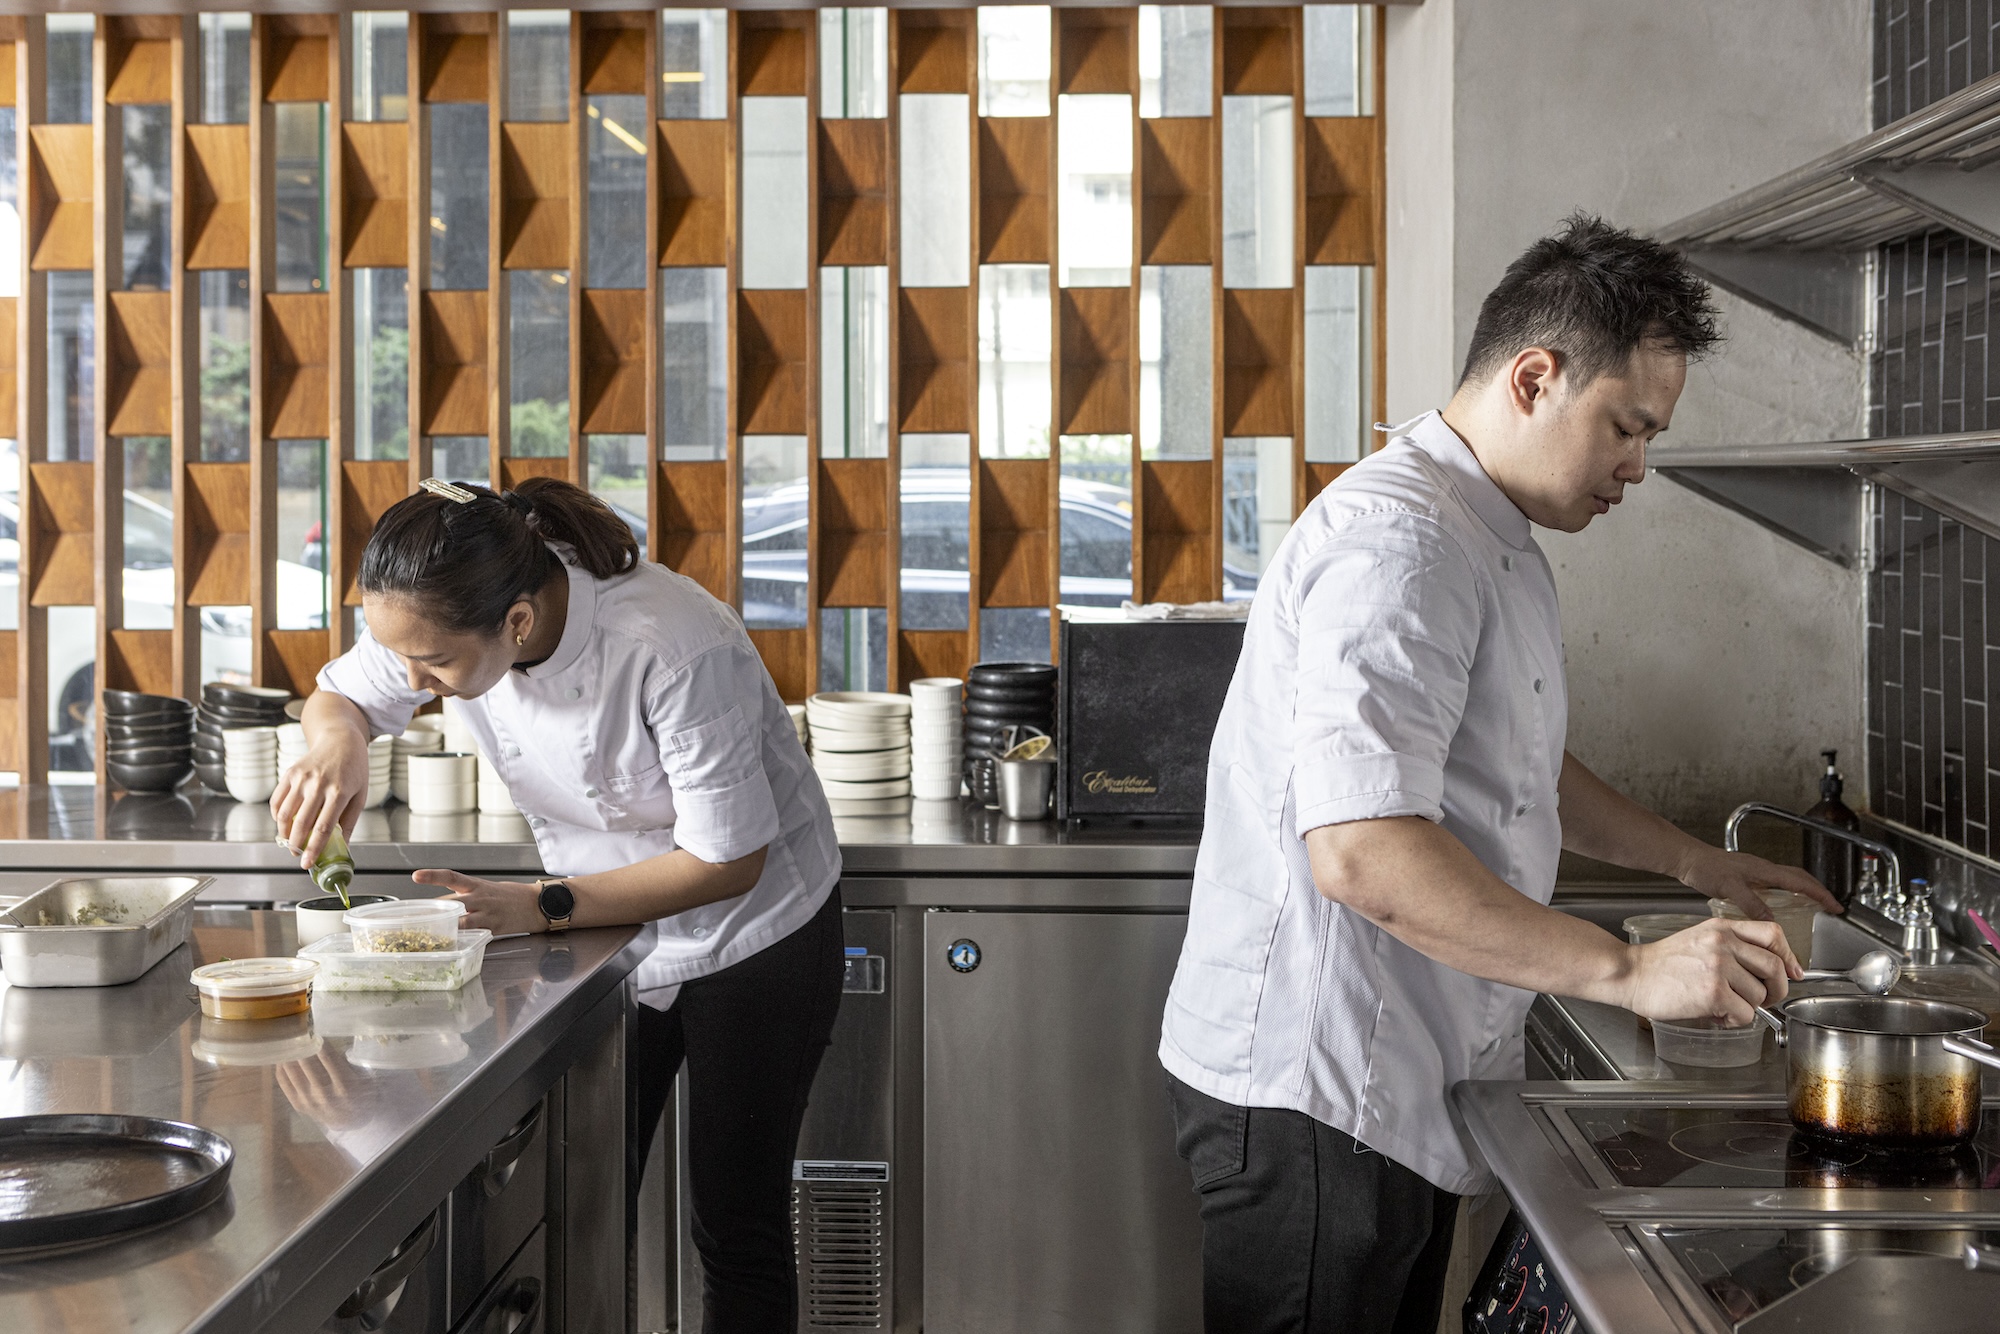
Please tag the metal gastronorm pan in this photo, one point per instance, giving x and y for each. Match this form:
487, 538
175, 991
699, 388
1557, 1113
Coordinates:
70, 1179
148, 919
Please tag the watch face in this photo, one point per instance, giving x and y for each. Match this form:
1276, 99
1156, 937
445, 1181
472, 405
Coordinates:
557, 901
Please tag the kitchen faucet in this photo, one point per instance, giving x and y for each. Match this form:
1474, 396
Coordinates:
1911, 911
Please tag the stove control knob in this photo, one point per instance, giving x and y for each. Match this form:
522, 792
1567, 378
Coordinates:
1531, 1320
1508, 1287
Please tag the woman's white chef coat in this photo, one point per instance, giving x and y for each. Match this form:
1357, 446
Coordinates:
653, 726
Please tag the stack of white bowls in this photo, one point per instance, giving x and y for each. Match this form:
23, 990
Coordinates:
860, 747
937, 737
494, 798
250, 762
424, 737
443, 783
798, 714
292, 746
381, 760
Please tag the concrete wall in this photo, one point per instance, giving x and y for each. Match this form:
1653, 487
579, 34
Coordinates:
1708, 659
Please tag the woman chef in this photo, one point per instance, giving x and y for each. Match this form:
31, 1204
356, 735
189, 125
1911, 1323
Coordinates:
638, 731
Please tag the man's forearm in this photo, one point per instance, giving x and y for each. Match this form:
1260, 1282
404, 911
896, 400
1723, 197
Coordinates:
1602, 823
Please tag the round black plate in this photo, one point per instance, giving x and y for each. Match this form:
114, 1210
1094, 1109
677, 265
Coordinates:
66, 1179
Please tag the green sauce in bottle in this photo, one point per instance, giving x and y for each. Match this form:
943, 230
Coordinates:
334, 871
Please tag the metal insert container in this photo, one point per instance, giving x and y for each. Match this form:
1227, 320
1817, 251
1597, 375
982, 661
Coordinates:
98, 931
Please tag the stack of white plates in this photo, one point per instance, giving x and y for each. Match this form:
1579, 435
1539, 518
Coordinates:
861, 744
381, 760
419, 740
937, 737
292, 746
250, 762
798, 712
443, 783
494, 798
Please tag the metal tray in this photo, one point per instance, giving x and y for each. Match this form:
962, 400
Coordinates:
69, 1179
143, 919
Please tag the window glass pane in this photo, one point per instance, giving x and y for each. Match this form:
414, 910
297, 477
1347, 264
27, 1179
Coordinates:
936, 196
1340, 60
853, 63
1096, 520
301, 196
1014, 60
1256, 508
381, 66
10, 215
1014, 336
69, 40
225, 365
1339, 361
538, 64
461, 458
72, 355
458, 196
616, 177
854, 367
936, 531
853, 648
10, 532
225, 645
147, 133
149, 533
225, 69
1257, 192
1013, 634
1176, 59
618, 478
302, 579
382, 363
1094, 210
694, 371
1176, 362
694, 64
774, 192
72, 699
774, 531
538, 373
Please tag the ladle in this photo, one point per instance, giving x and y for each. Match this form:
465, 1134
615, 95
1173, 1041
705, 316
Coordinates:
1875, 973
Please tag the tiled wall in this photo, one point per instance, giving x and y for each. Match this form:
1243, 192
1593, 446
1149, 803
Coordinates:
1934, 368
1925, 49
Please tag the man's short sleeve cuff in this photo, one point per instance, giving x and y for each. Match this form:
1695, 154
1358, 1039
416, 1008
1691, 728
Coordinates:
1338, 789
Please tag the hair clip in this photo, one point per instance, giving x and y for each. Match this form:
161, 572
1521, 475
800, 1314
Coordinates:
449, 490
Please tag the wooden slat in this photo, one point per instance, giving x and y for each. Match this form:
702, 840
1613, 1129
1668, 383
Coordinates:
454, 373
1014, 175
369, 487
10, 649
1096, 353
141, 660
218, 522
296, 68
295, 658
1256, 389
853, 532
60, 221
454, 63
1178, 546
1319, 476
935, 362
773, 373
771, 57
184, 354
612, 340
935, 50
694, 192
1098, 51
1174, 191
514, 471
375, 202
1014, 533
63, 569
693, 520
218, 191
10, 378
144, 74
854, 191
786, 656
614, 58
1343, 186
296, 357
138, 364
535, 163
922, 653
1256, 49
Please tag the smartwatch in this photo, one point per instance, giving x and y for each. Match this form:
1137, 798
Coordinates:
557, 902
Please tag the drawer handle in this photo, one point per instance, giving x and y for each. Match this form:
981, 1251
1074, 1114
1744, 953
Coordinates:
516, 1310
505, 1156
376, 1299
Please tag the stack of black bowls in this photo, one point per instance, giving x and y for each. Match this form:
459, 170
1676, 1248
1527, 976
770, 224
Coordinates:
1000, 695
148, 740
226, 706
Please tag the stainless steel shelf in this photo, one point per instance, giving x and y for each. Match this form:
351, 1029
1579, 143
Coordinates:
1832, 453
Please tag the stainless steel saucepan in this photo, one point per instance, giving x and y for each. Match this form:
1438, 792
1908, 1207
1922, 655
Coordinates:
1887, 1071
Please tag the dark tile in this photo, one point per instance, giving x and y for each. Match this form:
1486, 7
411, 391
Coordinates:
1976, 810
1951, 658
1950, 599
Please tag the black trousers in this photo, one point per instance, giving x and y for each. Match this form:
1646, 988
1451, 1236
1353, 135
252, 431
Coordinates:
1304, 1231
752, 1036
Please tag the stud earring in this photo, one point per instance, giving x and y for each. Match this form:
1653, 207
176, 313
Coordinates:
519, 641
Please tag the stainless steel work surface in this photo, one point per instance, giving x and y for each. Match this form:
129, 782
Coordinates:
337, 1156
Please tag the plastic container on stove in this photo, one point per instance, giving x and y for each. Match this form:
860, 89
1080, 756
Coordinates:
1704, 1042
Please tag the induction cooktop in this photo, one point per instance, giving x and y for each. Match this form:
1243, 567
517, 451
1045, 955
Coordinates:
1753, 1147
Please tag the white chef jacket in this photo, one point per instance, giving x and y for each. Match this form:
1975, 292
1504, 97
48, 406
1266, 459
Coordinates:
1403, 657
653, 726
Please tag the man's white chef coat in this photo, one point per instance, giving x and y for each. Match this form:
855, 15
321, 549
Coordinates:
1403, 657
653, 726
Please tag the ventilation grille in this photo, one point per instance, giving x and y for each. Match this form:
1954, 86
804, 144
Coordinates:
837, 1226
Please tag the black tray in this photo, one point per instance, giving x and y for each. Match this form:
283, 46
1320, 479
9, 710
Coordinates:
68, 1179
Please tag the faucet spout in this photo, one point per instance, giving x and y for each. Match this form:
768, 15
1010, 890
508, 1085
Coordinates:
1891, 863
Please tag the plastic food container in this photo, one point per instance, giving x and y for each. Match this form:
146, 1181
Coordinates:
1706, 1043
290, 1038
344, 968
1649, 927
255, 988
405, 926
1794, 912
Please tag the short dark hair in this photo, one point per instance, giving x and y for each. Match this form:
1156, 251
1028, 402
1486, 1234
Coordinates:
1593, 294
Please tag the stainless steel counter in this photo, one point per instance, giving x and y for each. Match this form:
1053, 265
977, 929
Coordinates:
335, 1160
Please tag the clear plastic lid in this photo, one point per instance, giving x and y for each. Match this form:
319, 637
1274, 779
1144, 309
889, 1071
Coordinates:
246, 979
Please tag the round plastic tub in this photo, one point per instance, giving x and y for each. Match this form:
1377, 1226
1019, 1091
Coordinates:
255, 988
1649, 927
406, 926
1794, 913
1706, 1043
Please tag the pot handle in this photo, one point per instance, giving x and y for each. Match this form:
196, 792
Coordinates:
1972, 1049
1771, 1019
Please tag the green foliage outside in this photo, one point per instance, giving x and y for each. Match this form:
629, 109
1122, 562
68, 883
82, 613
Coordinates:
389, 392
539, 429
225, 401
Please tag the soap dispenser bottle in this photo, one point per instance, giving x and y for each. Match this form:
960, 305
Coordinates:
1831, 860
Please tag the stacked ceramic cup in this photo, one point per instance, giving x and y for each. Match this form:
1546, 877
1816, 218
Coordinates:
492, 794
425, 736
250, 762
381, 756
443, 783
861, 749
224, 707
292, 746
937, 738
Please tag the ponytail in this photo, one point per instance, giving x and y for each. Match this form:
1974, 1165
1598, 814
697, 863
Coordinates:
467, 561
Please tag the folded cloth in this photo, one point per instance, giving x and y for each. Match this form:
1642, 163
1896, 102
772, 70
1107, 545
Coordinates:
1186, 611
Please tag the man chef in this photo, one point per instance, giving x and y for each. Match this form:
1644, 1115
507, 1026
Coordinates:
1388, 792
